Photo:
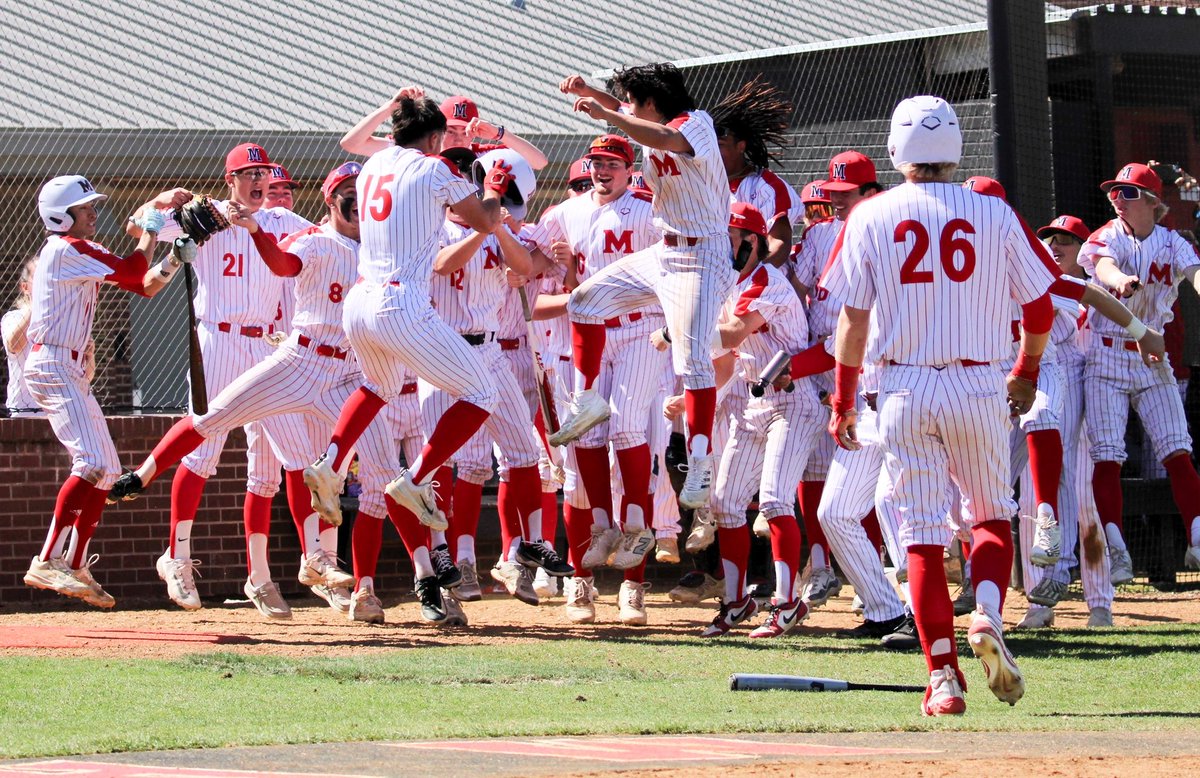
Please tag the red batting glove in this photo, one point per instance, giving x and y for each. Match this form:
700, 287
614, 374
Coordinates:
498, 178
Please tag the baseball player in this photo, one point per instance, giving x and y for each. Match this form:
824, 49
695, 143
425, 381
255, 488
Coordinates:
239, 302
772, 435
687, 272
816, 204
281, 189
62, 306
15, 327
1138, 259
915, 261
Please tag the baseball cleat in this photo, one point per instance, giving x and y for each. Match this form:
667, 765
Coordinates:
320, 568
876, 630
667, 551
904, 638
1120, 566
448, 574
55, 575
365, 606
268, 600
695, 587
455, 615
468, 590
337, 598
606, 541
697, 485
1100, 617
1037, 618
179, 576
1047, 538
1048, 592
964, 603
631, 601
986, 638
545, 586
418, 498
730, 615
944, 696
704, 531
857, 606
433, 609
581, 599
1191, 559
781, 618
540, 554
586, 410
822, 584
127, 487
635, 545
517, 579
95, 595
326, 487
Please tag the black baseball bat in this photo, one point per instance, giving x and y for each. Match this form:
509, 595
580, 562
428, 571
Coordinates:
195, 358
753, 682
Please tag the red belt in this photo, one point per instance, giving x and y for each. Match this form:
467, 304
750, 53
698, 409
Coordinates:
617, 321
679, 240
963, 362
249, 332
74, 354
409, 388
509, 344
1128, 345
323, 349
564, 359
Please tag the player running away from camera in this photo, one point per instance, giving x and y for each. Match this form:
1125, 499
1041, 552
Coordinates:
463, 126
688, 272
238, 305
771, 436
587, 234
938, 267
1145, 263
70, 269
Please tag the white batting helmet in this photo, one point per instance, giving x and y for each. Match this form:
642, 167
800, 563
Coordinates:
59, 194
524, 184
924, 130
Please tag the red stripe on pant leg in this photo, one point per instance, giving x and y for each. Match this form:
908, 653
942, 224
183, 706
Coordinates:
700, 406
86, 523
588, 347
932, 610
810, 500
366, 539
72, 499
256, 518
634, 464
1185, 488
1046, 463
596, 477
1106, 487
579, 536
464, 518
457, 425
510, 517
357, 414
181, 440
785, 547
299, 500
870, 525
414, 534
525, 488
992, 555
550, 517
735, 549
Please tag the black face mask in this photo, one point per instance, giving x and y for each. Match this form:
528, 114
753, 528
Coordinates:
742, 255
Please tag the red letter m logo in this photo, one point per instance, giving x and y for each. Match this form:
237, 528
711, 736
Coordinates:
623, 244
490, 258
665, 166
1160, 273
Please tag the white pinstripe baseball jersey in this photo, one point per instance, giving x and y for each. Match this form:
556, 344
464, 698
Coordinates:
469, 299
598, 235
65, 286
767, 292
402, 195
770, 194
329, 267
941, 265
18, 397
811, 260
689, 189
1158, 261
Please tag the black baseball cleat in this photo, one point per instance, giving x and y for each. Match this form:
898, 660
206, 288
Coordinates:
127, 487
905, 637
429, 592
875, 629
448, 575
543, 556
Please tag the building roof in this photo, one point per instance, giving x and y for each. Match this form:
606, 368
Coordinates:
318, 65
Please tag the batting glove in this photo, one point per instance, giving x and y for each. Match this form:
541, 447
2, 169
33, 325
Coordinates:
151, 220
498, 178
183, 250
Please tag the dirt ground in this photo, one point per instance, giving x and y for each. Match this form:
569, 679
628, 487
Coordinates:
75, 630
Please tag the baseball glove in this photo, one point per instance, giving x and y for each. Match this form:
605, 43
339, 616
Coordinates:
200, 219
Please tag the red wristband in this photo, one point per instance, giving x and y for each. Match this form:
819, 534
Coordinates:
845, 388
1027, 367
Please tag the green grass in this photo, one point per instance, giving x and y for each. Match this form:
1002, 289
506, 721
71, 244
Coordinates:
1141, 679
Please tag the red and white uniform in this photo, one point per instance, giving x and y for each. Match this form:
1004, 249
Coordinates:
402, 195
940, 266
773, 197
1115, 377
18, 400
689, 272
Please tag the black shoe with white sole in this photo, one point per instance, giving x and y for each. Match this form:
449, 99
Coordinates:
448, 574
429, 592
543, 556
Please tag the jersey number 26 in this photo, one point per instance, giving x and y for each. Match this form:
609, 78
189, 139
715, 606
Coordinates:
949, 244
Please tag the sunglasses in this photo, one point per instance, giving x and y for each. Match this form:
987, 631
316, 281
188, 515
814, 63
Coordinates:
580, 186
1059, 239
348, 169
1124, 192
254, 174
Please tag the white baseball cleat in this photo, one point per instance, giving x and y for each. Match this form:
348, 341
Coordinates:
95, 594
1191, 559
606, 541
635, 545
268, 600
986, 638
698, 484
586, 410
822, 585
1048, 592
336, 597
1047, 538
1037, 618
179, 576
667, 551
326, 487
632, 603
517, 579
420, 499
704, 531
944, 695
695, 587
365, 606
56, 575
320, 568
545, 586
581, 599
1120, 566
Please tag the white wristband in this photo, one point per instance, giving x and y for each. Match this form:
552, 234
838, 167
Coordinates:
1136, 329
166, 269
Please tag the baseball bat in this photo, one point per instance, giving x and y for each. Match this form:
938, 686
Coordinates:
195, 358
753, 682
780, 362
545, 393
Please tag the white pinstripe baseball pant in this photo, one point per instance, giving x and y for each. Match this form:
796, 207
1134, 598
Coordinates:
630, 371
824, 446
400, 428
1115, 381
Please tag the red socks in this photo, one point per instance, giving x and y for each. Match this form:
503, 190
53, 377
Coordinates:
358, 412
299, 503
637, 573
414, 534
464, 519
510, 517
991, 556
1106, 486
588, 341
596, 478
785, 550
71, 504
1185, 488
579, 536
700, 406
181, 440
457, 425
810, 500
1045, 463
735, 552
932, 610
550, 517
86, 523
870, 525
635, 476
186, 490
366, 539
525, 489
256, 515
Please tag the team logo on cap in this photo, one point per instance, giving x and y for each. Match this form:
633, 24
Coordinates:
585, 166
86, 185
254, 154
839, 171
460, 110
931, 122
277, 172
1126, 173
970, 184
1061, 221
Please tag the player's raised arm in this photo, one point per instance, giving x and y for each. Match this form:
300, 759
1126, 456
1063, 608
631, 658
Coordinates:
361, 138
657, 95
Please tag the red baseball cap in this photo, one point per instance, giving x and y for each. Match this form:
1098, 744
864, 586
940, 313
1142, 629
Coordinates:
814, 192
459, 110
849, 170
280, 175
338, 175
612, 146
247, 155
745, 216
986, 186
580, 170
1067, 225
1138, 175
